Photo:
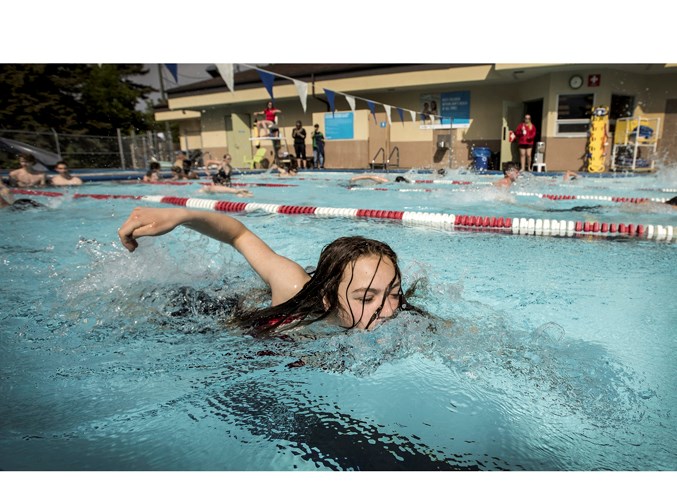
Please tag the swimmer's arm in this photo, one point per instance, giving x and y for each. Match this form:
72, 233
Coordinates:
369, 177
284, 276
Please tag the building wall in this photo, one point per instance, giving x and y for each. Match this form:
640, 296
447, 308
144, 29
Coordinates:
424, 147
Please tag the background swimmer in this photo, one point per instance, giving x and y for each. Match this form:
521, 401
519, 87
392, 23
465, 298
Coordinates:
511, 173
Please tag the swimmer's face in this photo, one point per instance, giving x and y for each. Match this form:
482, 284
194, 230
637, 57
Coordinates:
364, 288
25, 162
61, 168
512, 173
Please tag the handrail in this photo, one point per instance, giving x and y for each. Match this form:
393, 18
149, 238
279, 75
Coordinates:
383, 162
395, 148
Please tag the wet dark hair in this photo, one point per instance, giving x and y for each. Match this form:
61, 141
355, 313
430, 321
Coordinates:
401, 179
508, 167
319, 297
672, 201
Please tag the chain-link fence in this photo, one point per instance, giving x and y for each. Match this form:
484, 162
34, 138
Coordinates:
85, 151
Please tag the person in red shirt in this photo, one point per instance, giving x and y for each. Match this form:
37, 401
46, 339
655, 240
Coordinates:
269, 114
526, 136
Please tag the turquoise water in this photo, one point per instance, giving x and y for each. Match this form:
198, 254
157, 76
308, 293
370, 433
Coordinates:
561, 355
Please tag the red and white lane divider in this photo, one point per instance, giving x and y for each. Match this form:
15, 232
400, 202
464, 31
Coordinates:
590, 197
182, 183
664, 190
515, 225
451, 182
522, 226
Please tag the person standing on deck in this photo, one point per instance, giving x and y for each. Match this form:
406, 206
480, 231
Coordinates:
526, 136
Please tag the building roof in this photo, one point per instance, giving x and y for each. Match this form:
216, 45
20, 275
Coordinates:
249, 78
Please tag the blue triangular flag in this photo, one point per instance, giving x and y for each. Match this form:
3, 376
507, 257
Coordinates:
330, 98
174, 70
400, 112
372, 107
268, 79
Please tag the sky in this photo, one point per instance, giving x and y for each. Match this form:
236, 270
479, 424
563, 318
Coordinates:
187, 73
203, 32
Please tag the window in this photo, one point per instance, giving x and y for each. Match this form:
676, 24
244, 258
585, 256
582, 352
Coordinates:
621, 106
573, 114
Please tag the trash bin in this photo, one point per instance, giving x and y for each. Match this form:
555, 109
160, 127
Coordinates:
481, 157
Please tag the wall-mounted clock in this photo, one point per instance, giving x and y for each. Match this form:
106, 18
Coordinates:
576, 82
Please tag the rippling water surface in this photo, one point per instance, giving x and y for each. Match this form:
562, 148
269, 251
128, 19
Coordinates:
544, 353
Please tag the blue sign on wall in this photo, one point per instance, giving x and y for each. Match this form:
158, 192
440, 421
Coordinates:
455, 106
339, 125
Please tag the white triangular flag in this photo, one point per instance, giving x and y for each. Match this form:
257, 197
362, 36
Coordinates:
226, 72
351, 102
413, 115
387, 109
302, 89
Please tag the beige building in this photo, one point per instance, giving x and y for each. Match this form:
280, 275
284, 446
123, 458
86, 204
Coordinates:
476, 106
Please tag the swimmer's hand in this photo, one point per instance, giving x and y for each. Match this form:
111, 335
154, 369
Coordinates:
144, 222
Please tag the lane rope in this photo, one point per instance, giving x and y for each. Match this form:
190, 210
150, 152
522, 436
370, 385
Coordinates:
448, 221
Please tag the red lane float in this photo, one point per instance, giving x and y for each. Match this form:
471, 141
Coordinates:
590, 197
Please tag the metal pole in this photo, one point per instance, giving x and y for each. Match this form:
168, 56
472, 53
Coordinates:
133, 149
451, 139
56, 138
145, 152
121, 149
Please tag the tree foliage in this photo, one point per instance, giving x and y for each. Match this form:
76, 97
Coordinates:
73, 98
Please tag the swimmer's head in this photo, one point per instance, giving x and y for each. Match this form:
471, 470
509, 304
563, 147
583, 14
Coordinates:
401, 179
510, 167
26, 159
511, 170
672, 201
357, 281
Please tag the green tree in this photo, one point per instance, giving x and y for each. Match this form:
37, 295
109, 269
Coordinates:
109, 99
72, 98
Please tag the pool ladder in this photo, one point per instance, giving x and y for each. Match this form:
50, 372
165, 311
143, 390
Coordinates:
385, 162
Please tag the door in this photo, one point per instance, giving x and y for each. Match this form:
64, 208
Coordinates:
238, 132
378, 138
512, 115
668, 143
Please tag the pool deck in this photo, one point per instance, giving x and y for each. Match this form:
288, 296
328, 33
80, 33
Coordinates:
117, 174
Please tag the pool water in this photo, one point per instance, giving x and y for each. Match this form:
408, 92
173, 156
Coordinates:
545, 353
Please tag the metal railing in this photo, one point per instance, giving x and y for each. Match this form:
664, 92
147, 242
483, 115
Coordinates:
383, 163
395, 150
87, 151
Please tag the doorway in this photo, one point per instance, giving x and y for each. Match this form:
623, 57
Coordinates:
379, 134
238, 132
535, 109
512, 115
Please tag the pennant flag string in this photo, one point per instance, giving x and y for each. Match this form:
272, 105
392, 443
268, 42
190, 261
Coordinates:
268, 79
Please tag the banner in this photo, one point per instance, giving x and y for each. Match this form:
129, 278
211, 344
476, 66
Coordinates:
387, 109
372, 107
226, 72
340, 125
174, 70
268, 80
302, 90
351, 102
330, 97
